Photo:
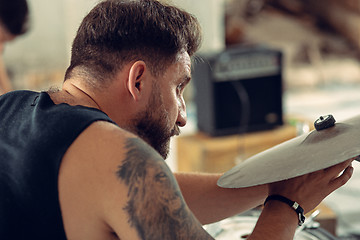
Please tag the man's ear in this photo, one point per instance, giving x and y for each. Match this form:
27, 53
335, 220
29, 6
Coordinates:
137, 75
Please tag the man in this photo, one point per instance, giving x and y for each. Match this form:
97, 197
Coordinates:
80, 163
13, 22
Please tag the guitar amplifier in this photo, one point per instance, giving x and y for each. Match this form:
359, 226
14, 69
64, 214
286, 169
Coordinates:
238, 90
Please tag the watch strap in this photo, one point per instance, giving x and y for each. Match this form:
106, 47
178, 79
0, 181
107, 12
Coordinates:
294, 205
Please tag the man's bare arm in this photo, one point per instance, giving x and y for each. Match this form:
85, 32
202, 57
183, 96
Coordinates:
211, 203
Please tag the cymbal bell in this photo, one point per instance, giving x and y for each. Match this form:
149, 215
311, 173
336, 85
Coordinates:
319, 149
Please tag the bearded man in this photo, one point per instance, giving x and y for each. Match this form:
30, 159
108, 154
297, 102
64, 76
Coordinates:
87, 161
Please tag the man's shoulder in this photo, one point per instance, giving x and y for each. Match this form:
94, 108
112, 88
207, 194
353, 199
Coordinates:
108, 144
102, 136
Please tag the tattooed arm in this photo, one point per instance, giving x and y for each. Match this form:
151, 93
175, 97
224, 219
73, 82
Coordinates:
154, 197
112, 185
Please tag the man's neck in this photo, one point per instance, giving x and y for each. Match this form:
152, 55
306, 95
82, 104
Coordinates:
73, 93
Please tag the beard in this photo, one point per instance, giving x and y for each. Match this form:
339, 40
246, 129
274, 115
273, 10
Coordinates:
153, 125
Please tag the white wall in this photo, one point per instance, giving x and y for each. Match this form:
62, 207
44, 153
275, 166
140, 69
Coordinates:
46, 46
210, 14
54, 23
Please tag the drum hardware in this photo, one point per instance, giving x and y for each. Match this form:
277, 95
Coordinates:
324, 122
327, 121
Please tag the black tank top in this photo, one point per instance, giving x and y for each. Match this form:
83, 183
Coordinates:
34, 135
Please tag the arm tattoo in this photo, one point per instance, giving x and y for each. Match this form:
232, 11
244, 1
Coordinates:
155, 207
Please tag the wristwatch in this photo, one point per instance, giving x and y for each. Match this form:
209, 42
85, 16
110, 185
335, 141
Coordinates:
294, 205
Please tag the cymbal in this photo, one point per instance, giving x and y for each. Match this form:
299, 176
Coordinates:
316, 150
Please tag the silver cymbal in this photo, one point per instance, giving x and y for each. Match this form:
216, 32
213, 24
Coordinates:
304, 154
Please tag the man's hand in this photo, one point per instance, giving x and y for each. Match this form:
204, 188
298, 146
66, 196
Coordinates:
310, 189
278, 221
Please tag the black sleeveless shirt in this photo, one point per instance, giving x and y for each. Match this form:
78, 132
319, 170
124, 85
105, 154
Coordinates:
34, 135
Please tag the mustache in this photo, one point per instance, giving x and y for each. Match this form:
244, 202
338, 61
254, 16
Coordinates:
175, 131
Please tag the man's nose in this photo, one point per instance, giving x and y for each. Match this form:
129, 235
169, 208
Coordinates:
182, 116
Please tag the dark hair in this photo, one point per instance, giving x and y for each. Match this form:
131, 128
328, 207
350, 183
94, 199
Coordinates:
14, 15
118, 31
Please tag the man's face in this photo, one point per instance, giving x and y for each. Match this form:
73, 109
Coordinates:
166, 111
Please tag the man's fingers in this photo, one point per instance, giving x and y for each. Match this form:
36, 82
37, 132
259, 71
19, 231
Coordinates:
342, 179
338, 168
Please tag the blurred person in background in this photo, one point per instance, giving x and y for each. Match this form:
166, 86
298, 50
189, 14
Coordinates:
13, 22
